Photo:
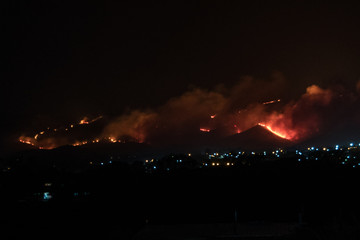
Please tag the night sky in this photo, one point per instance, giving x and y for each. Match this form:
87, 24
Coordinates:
68, 60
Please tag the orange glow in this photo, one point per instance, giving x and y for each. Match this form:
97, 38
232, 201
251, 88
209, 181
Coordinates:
273, 101
26, 141
237, 129
84, 121
280, 134
213, 116
205, 130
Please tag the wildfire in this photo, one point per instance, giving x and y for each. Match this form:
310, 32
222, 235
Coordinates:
273, 101
205, 130
37, 139
237, 129
86, 120
113, 140
26, 140
213, 116
282, 135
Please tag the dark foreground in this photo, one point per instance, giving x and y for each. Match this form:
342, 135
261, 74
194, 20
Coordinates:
277, 200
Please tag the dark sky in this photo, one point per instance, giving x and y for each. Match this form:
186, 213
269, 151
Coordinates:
66, 60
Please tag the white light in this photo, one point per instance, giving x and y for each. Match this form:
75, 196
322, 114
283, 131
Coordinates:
351, 144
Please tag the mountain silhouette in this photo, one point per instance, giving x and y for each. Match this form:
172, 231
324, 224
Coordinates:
256, 138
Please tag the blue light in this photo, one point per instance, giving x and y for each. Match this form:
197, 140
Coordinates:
351, 144
110, 162
154, 167
102, 163
47, 196
299, 160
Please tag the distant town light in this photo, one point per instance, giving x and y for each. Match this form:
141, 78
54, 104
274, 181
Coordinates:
47, 196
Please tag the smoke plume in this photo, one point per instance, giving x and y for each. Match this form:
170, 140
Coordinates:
194, 116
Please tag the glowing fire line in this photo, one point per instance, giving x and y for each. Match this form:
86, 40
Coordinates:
273, 131
205, 130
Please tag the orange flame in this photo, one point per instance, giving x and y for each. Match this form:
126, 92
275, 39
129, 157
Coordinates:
84, 121
280, 134
273, 101
205, 130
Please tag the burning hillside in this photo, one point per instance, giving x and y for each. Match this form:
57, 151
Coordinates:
202, 116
